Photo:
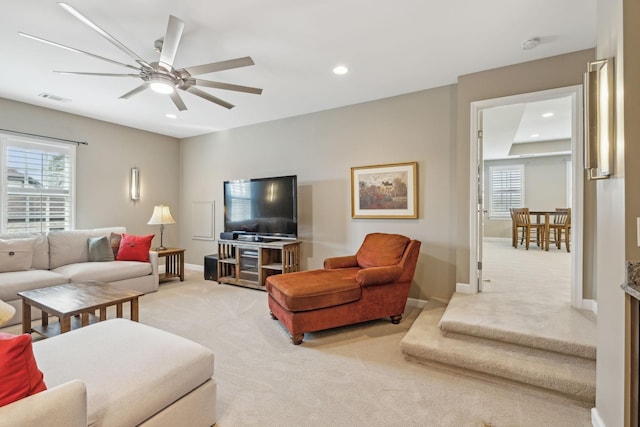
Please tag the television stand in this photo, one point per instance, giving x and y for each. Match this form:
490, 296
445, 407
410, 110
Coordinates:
248, 263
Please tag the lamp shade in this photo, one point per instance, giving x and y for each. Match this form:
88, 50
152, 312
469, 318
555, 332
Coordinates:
161, 215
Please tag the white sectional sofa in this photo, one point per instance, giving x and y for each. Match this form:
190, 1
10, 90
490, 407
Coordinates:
61, 257
119, 373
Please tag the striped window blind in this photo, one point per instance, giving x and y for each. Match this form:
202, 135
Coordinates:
38, 180
506, 190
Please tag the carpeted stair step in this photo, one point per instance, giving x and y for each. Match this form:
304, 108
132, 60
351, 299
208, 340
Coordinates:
537, 328
561, 374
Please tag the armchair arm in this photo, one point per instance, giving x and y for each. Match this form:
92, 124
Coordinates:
340, 262
61, 406
378, 275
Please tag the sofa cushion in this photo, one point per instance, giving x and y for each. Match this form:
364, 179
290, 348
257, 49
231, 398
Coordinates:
70, 246
19, 373
40, 258
313, 289
125, 387
100, 249
104, 271
134, 248
381, 249
16, 281
16, 254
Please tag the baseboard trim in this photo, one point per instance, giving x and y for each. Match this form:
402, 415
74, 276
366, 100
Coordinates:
194, 267
420, 303
465, 288
596, 421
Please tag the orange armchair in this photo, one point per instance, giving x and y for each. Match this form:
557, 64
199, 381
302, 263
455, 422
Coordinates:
372, 284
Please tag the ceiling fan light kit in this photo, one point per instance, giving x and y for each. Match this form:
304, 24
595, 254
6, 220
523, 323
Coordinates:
160, 76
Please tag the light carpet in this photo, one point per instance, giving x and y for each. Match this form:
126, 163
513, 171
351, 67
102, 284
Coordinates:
526, 301
350, 376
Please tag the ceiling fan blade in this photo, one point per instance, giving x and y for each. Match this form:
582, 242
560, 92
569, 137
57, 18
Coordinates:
208, 97
171, 42
135, 91
219, 66
227, 86
177, 100
103, 33
80, 73
73, 49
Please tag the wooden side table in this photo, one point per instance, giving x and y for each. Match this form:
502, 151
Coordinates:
174, 263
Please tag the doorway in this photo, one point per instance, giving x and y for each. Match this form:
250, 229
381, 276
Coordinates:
525, 143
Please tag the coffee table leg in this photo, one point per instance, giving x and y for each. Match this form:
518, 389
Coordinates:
134, 309
26, 318
103, 313
119, 310
65, 324
85, 319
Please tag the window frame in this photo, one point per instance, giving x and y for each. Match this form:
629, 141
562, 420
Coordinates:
7, 141
505, 214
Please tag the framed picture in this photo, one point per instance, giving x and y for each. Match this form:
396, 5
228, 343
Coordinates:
385, 191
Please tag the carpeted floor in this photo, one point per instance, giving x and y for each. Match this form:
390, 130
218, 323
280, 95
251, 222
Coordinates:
351, 376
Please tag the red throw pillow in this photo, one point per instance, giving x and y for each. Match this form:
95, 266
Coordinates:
19, 374
134, 248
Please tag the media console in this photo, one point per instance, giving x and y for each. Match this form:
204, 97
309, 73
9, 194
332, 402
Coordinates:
248, 263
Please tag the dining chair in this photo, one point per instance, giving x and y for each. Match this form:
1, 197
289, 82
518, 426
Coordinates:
522, 221
560, 228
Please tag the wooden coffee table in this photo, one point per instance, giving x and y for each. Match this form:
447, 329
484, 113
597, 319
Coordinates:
75, 305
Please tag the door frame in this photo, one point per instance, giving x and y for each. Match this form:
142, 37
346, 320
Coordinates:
577, 164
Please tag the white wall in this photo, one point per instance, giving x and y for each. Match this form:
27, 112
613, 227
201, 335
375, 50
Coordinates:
610, 237
320, 149
103, 166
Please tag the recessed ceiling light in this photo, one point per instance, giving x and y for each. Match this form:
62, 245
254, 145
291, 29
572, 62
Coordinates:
340, 69
535, 135
171, 116
549, 114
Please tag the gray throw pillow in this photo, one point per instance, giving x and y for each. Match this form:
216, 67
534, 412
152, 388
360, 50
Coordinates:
100, 249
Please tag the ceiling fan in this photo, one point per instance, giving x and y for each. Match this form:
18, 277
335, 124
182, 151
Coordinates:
161, 76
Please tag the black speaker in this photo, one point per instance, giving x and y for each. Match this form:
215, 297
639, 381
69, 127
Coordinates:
228, 235
211, 267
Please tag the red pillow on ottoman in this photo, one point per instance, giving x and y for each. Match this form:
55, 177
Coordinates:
19, 374
134, 248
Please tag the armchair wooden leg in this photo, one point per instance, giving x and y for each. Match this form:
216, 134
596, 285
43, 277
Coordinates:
273, 316
296, 339
396, 319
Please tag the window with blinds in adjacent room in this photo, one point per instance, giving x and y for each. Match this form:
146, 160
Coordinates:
38, 180
506, 190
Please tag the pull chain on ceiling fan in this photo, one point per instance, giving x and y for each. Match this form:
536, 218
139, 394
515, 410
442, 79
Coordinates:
160, 76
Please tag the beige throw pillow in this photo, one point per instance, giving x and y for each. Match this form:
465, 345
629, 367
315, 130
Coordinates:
100, 249
16, 254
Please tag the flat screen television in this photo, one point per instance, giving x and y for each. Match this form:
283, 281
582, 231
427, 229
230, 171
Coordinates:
262, 206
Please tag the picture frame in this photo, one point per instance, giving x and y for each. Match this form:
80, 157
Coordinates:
385, 191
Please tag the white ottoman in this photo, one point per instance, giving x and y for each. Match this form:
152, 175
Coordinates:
134, 374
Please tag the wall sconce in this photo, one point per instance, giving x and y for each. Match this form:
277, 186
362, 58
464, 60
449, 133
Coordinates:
599, 118
134, 189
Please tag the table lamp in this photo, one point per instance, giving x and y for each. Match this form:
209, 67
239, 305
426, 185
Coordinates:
6, 312
161, 215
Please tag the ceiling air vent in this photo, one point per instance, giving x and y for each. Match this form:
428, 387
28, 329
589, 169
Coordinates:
53, 97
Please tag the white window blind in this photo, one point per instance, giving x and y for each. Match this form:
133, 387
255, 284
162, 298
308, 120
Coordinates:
506, 190
38, 180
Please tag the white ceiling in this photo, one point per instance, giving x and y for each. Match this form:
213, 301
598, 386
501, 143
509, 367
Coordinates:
391, 48
527, 123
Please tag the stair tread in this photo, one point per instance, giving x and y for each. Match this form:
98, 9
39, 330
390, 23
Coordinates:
459, 319
569, 375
